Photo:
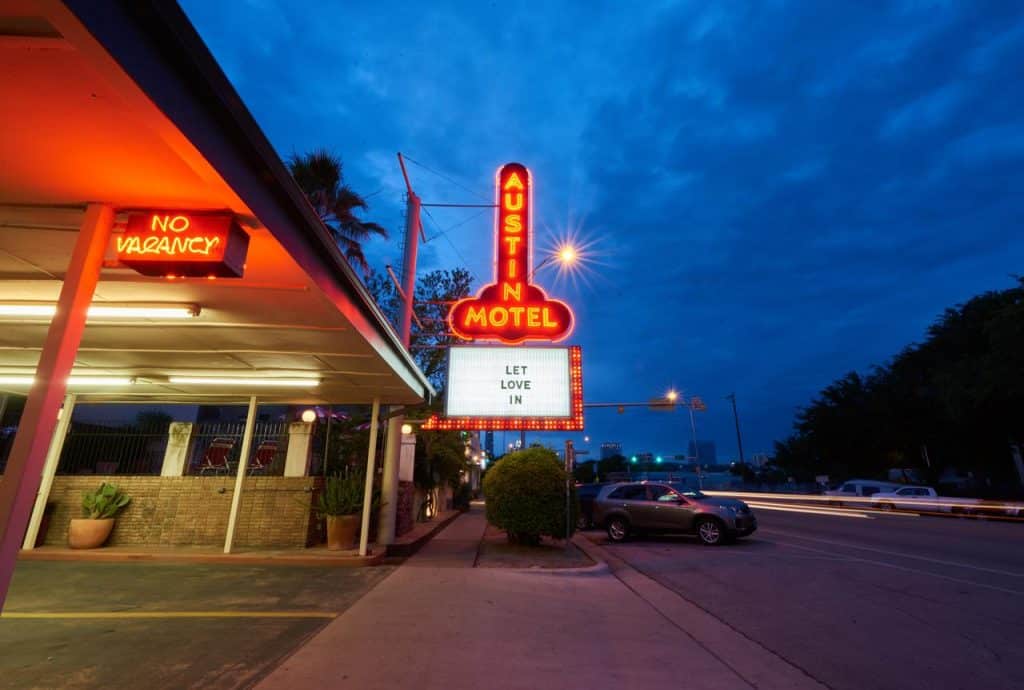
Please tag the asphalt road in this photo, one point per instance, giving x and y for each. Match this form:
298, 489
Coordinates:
131, 625
886, 601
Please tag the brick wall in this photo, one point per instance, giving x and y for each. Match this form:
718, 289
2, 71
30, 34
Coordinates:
166, 511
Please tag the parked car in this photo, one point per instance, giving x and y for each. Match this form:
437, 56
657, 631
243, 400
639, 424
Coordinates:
586, 493
909, 498
860, 488
655, 507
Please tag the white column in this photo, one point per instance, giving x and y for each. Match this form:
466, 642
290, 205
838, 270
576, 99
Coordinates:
371, 461
388, 512
35, 431
176, 455
300, 436
49, 470
243, 464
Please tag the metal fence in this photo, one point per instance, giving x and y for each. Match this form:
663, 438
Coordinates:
216, 448
97, 449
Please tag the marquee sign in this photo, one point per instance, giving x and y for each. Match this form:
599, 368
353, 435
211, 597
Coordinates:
513, 388
181, 243
512, 309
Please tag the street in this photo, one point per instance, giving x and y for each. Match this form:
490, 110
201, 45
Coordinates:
883, 601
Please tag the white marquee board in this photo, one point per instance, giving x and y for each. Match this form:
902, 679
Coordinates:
509, 382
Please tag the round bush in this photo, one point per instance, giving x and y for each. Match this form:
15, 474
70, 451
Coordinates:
525, 494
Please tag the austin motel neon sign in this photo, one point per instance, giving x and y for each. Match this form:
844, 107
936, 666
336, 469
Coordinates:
512, 309
181, 243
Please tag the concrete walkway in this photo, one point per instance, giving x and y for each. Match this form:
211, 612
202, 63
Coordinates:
438, 622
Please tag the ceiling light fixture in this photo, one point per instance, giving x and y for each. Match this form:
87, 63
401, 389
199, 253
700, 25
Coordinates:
106, 311
73, 380
248, 382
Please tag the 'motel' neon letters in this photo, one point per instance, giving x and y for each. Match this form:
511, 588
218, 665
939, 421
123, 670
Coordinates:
512, 309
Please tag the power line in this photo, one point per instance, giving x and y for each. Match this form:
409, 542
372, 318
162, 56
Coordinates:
448, 178
443, 233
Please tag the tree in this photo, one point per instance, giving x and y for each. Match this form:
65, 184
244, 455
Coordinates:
319, 174
429, 339
954, 400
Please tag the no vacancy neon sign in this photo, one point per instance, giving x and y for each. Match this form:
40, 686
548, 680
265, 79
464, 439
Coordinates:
512, 309
180, 243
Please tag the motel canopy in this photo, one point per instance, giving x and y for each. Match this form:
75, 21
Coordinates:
121, 104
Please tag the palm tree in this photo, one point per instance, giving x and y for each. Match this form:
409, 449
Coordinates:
320, 176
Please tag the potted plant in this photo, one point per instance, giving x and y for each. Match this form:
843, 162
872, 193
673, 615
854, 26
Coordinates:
341, 502
100, 507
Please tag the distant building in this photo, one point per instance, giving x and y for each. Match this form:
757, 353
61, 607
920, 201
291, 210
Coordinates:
704, 451
610, 449
489, 443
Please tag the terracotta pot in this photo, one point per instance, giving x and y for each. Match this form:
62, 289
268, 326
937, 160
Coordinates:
342, 532
85, 533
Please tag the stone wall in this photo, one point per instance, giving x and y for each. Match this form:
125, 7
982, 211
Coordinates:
168, 511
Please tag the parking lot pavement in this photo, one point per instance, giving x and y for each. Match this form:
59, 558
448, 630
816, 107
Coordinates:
93, 625
887, 602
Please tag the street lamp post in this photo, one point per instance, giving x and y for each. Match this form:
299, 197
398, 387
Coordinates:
736, 418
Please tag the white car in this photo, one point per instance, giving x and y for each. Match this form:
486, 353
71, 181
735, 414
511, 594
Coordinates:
912, 498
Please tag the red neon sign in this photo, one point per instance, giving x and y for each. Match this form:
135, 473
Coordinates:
512, 309
179, 243
574, 422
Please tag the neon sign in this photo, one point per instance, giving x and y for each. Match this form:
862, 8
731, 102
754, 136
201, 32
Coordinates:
512, 309
180, 243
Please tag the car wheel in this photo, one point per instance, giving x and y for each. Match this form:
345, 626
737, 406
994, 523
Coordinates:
618, 529
710, 532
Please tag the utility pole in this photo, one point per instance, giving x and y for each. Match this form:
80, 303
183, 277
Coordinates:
736, 418
570, 463
696, 447
393, 445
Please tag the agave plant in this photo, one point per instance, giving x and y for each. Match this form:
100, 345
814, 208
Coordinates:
343, 495
105, 502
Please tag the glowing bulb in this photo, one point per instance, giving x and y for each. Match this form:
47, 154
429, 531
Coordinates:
672, 395
567, 254
407, 429
308, 416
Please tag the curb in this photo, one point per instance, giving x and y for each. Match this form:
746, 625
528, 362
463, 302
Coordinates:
404, 550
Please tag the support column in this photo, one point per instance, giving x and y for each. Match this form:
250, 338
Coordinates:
176, 454
388, 513
243, 465
49, 470
371, 461
300, 436
28, 454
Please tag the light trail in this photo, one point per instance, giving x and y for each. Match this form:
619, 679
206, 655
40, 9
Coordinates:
786, 508
987, 510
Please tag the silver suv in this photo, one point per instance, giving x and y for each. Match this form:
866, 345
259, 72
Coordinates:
635, 507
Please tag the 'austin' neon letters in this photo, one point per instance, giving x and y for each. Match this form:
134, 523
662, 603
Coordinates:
512, 309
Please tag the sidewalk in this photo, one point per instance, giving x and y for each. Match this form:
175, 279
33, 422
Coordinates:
438, 622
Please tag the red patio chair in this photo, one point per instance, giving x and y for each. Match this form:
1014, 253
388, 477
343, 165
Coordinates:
215, 459
265, 454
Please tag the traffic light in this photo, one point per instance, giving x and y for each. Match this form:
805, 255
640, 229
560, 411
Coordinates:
633, 459
657, 460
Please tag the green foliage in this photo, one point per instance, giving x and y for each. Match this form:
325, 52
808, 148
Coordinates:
319, 174
440, 459
343, 495
105, 502
959, 393
429, 338
526, 496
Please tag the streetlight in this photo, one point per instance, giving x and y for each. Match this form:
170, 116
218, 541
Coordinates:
567, 255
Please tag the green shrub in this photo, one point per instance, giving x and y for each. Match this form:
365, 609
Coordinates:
525, 495
105, 502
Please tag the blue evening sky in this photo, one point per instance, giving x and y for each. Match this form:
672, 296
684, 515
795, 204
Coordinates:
773, 193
